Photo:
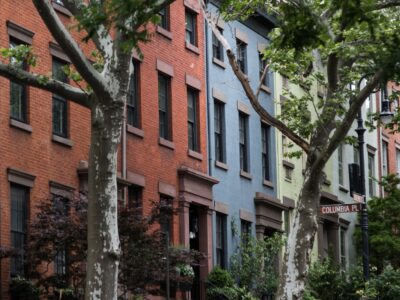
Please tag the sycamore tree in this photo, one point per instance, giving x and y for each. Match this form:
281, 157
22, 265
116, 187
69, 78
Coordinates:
115, 27
346, 47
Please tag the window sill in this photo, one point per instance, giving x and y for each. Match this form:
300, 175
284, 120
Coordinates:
165, 143
246, 175
21, 125
219, 63
135, 131
61, 9
288, 164
192, 48
265, 89
164, 32
327, 182
61, 140
343, 189
195, 154
221, 165
268, 184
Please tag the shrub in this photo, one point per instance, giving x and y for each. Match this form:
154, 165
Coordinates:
23, 289
220, 285
387, 284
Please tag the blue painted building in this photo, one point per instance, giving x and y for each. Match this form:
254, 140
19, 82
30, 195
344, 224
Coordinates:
242, 152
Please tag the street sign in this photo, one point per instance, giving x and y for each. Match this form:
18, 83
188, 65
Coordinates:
340, 208
358, 198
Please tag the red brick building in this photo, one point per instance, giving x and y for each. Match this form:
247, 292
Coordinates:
163, 154
389, 142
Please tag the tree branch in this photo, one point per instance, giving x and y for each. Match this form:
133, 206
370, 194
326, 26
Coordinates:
356, 103
387, 4
265, 71
101, 36
54, 86
69, 45
264, 115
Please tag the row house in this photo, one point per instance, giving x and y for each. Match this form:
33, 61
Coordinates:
242, 152
163, 152
42, 141
334, 235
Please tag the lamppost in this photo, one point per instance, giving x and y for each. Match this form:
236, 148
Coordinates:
385, 117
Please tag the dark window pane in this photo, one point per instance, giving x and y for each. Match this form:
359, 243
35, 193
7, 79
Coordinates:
217, 48
164, 18
132, 105
243, 142
242, 55
190, 36
59, 116
221, 240
18, 107
219, 133
265, 154
193, 138
262, 64
59, 103
19, 213
61, 205
164, 106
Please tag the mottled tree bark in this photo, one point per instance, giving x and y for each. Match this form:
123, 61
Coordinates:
103, 240
301, 238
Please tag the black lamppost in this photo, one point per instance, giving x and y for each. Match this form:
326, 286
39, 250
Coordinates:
385, 117
364, 213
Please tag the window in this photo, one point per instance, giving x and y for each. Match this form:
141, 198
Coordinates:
262, 65
135, 196
265, 153
19, 216
221, 240
219, 131
59, 103
398, 161
164, 18
288, 173
385, 165
340, 164
193, 131
245, 228
164, 106
132, 106
60, 260
190, 26
18, 99
217, 48
241, 55
343, 248
166, 217
371, 174
243, 142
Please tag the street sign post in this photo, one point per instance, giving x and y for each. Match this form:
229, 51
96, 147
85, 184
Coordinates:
340, 208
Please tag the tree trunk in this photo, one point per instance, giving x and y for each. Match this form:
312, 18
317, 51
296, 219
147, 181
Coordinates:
301, 238
103, 239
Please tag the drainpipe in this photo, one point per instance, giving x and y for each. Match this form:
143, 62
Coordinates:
208, 94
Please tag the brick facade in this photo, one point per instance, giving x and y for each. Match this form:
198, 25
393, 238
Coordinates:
32, 156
